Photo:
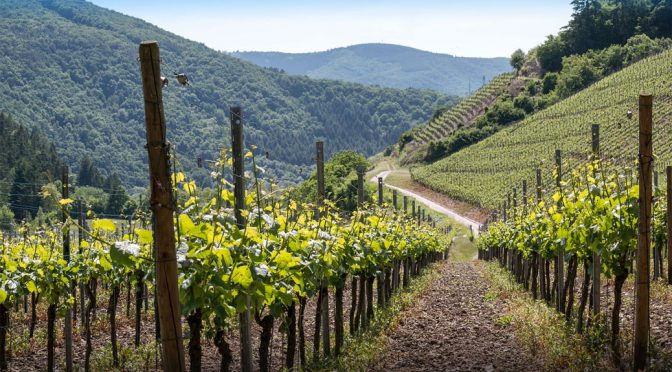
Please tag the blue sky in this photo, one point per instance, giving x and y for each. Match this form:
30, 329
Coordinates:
478, 28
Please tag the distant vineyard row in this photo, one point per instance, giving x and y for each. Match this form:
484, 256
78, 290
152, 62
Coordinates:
483, 173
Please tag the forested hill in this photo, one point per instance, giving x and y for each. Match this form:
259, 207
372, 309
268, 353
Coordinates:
70, 68
27, 161
387, 65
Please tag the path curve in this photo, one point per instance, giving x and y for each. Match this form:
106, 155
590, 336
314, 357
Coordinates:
473, 225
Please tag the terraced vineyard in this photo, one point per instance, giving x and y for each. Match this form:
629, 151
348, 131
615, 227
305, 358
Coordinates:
485, 172
461, 114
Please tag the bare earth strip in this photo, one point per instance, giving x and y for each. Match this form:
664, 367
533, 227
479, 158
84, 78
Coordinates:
453, 327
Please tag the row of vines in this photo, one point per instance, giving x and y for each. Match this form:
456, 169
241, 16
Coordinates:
282, 257
283, 254
591, 223
448, 121
483, 172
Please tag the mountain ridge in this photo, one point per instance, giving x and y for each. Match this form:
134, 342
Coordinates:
389, 65
71, 69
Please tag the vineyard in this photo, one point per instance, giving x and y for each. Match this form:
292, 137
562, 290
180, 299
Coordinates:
241, 252
599, 219
460, 115
591, 226
484, 173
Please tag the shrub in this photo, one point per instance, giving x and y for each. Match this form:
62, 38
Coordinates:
577, 73
550, 53
524, 102
517, 59
549, 82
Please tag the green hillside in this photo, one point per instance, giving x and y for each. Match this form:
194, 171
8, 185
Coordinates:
70, 69
445, 122
485, 172
387, 65
27, 161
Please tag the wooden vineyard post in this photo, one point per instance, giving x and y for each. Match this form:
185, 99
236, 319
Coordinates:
509, 252
394, 199
657, 269
405, 204
641, 338
324, 305
503, 250
560, 259
80, 238
319, 160
162, 204
360, 186
380, 191
381, 289
539, 260
413, 209
362, 313
237, 146
597, 265
526, 263
515, 255
67, 329
668, 171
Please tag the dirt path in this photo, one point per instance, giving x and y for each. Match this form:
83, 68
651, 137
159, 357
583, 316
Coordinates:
452, 327
475, 226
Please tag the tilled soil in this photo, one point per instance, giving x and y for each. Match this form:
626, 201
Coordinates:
452, 327
33, 357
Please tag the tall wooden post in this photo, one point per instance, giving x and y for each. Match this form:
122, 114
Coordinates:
597, 265
525, 261
324, 314
360, 186
394, 199
67, 331
380, 191
162, 207
319, 160
641, 339
668, 170
524, 200
540, 261
80, 238
413, 208
560, 259
237, 146
405, 204
657, 251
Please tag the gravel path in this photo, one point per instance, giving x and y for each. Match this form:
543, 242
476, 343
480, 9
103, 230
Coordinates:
452, 328
475, 226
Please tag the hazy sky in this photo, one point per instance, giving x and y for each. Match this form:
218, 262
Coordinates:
482, 28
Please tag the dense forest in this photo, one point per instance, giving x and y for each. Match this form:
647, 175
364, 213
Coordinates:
387, 65
27, 161
30, 179
70, 69
599, 24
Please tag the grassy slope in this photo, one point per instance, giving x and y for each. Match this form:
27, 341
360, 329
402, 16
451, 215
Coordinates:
485, 172
461, 115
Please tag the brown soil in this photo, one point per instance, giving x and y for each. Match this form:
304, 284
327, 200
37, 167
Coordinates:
33, 357
453, 328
